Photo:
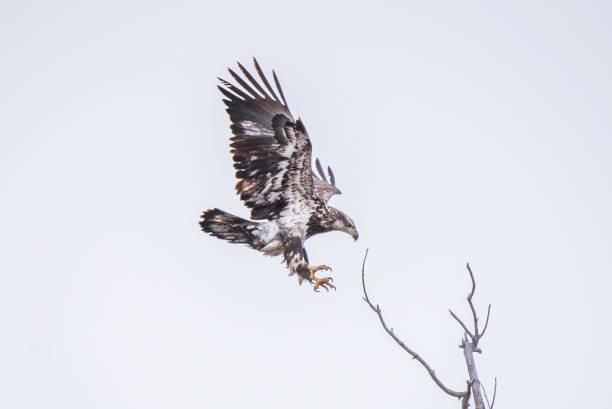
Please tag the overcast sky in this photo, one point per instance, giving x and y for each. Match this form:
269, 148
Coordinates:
477, 132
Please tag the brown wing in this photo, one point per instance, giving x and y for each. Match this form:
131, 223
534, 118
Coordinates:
271, 150
324, 189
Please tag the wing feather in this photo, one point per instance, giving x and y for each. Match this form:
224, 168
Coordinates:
280, 90
244, 85
227, 93
320, 170
324, 189
264, 79
271, 150
332, 178
234, 89
252, 80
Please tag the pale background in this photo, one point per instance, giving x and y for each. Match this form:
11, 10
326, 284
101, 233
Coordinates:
472, 132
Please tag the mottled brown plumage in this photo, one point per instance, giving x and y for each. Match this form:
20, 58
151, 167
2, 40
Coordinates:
272, 156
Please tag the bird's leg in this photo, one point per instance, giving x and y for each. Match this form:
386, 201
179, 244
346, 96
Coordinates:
324, 282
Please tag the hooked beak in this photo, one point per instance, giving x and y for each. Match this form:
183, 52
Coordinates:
355, 235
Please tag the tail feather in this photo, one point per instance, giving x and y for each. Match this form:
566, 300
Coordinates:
227, 226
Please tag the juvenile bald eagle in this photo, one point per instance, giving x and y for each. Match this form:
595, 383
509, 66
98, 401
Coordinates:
272, 156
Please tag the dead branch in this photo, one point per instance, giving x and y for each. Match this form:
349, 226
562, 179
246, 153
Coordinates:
465, 328
492, 402
389, 331
470, 341
477, 335
469, 344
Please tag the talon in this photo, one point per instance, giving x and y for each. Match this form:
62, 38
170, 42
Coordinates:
322, 282
325, 282
314, 269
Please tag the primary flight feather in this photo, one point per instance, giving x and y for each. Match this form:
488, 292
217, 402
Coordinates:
272, 157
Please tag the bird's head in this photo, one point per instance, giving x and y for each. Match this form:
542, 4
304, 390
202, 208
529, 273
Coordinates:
344, 223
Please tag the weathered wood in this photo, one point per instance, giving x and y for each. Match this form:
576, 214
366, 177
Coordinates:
468, 353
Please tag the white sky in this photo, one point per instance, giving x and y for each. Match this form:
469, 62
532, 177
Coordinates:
477, 133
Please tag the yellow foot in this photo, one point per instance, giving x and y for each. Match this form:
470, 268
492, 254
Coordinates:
324, 282
314, 269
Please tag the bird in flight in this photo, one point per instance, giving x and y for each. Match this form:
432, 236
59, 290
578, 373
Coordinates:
272, 157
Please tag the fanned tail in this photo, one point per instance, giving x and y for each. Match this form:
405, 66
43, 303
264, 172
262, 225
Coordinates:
228, 227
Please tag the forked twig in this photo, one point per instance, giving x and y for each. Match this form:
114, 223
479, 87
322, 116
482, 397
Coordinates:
490, 404
474, 336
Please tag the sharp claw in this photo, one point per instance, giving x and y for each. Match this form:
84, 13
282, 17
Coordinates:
325, 282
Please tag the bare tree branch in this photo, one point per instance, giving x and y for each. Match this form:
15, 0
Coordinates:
469, 299
490, 404
469, 344
486, 322
414, 355
467, 331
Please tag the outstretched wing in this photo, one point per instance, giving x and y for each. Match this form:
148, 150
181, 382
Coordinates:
324, 189
271, 150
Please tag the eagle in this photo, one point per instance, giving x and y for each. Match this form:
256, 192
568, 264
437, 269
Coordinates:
272, 156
